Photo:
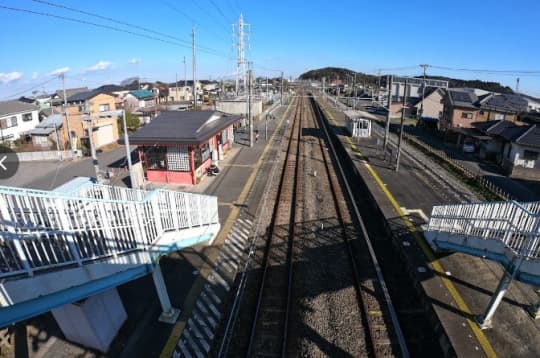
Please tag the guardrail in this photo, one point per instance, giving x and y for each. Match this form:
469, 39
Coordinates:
513, 223
41, 230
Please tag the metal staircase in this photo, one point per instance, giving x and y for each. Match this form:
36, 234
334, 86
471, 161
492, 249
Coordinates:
57, 247
506, 232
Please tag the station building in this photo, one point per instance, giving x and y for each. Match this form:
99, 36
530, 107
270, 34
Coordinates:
178, 146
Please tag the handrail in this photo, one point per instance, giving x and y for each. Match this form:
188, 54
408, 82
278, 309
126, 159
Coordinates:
514, 224
45, 229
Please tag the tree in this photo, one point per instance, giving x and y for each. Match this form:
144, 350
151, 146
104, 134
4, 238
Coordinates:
132, 122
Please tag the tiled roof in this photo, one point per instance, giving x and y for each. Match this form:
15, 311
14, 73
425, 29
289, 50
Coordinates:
530, 137
505, 103
15, 106
84, 96
188, 127
464, 99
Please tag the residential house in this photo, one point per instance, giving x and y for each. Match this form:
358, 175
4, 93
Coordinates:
98, 106
460, 110
57, 98
141, 103
184, 92
178, 147
533, 103
432, 105
514, 146
47, 132
17, 119
496, 106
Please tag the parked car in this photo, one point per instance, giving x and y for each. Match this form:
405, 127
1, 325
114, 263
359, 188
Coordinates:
468, 147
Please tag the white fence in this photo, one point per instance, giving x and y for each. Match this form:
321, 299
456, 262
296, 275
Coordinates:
515, 224
41, 230
46, 155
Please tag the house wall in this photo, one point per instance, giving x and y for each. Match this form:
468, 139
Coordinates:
459, 121
166, 176
517, 166
433, 106
78, 125
484, 116
11, 133
184, 93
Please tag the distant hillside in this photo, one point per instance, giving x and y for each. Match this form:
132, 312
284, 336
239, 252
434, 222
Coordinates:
332, 73
486, 86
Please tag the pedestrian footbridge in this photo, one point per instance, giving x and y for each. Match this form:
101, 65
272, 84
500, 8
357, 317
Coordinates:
58, 247
506, 232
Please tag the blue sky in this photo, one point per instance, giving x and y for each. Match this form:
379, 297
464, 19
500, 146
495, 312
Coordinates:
293, 36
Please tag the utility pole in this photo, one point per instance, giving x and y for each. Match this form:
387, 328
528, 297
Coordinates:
185, 72
90, 129
403, 107
176, 85
66, 112
281, 100
250, 119
323, 87
354, 90
194, 67
424, 66
379, 85
389, 105
128, 151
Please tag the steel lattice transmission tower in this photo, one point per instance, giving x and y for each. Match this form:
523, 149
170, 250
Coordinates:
240, 42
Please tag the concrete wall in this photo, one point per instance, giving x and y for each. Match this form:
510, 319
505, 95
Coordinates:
239, 106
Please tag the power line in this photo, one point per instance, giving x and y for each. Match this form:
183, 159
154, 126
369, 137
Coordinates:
226, 24
176, 9
220, 11
29, 89
508, 72
60, 6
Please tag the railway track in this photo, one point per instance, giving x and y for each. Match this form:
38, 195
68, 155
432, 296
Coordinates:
316, 273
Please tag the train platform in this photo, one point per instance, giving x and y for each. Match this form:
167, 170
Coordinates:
187, 273
454, 287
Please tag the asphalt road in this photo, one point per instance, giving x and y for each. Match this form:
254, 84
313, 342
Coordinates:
48, 175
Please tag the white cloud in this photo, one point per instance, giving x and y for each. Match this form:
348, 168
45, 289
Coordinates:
10, 77
135, 61
34, 76
60, 70
100, 66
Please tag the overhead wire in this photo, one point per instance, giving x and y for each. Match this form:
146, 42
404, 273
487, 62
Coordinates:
120, 22
220, 11
29, 89
193, 20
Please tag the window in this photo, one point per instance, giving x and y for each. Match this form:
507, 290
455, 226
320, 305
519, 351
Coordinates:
530, 155
178, 159
104, 107
155, 157
467, 115
8, 122
202, 154
499, 116
27, 117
